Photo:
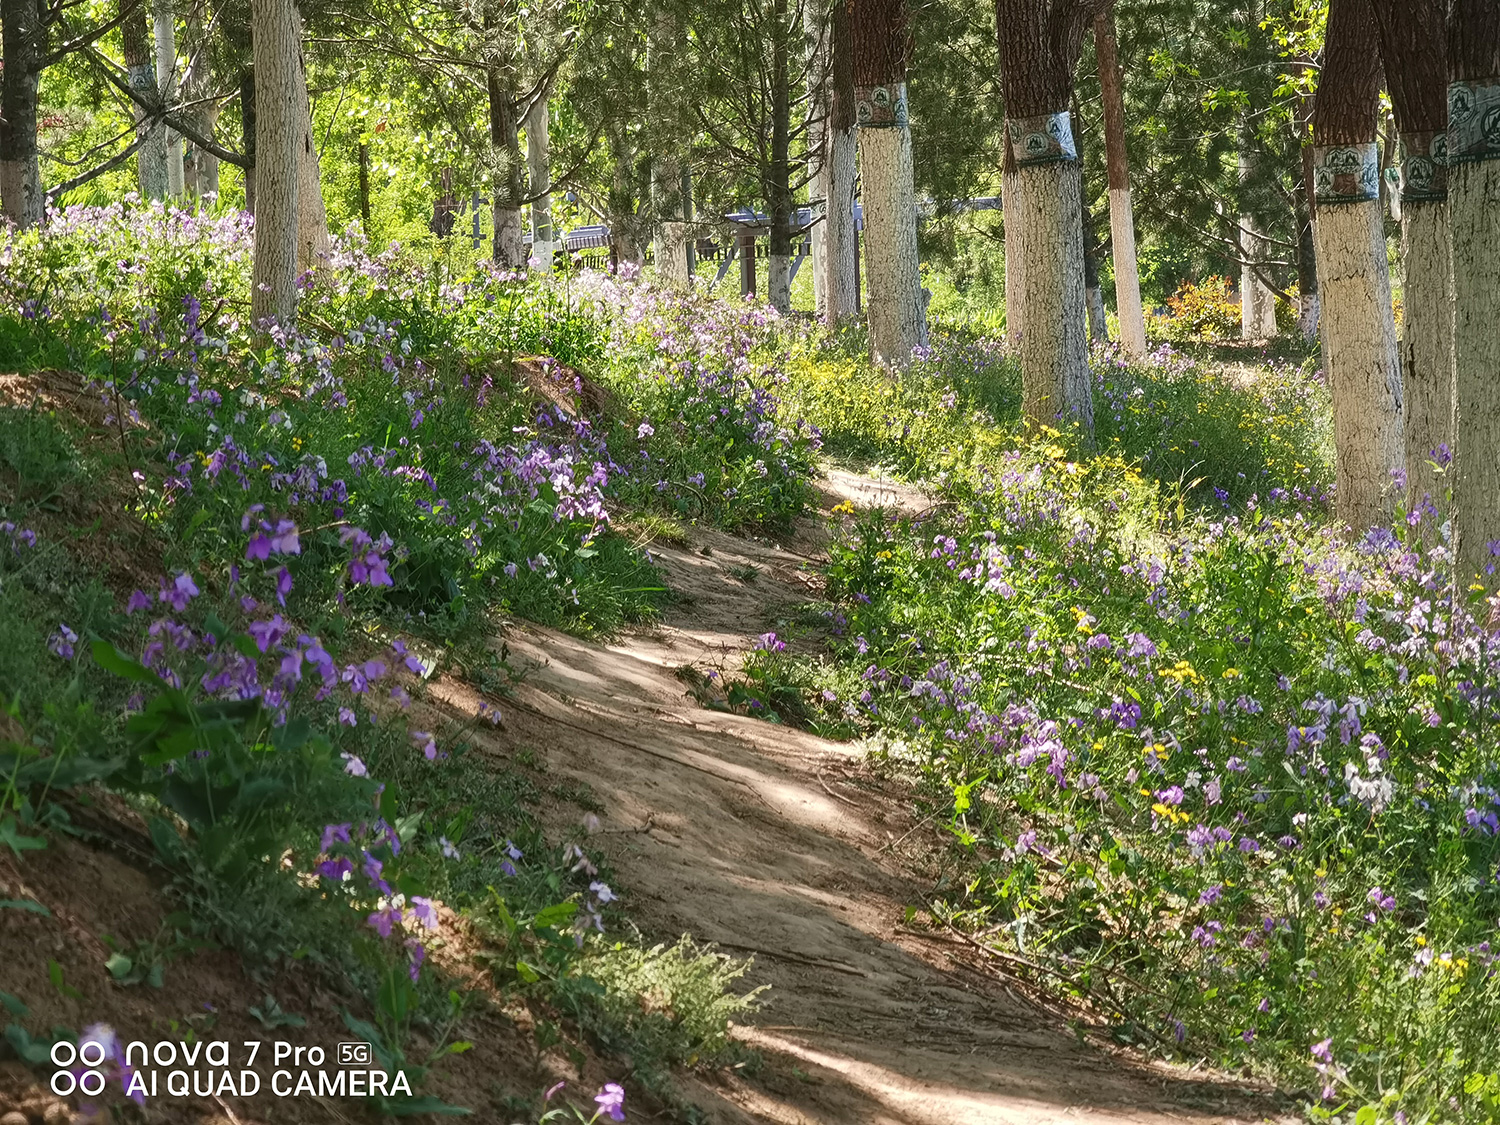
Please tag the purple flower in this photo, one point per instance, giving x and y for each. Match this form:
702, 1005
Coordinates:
283, 584
353, 766
138, 600
611, 1101
770, 642
1322, 1051
179, 593
335, 869
424, 911
334, 834
382, 921
426, 743
62, 642
1140, 645
417, 952
1212, 894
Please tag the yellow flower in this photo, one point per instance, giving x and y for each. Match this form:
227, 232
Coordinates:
1231, 673
844, 509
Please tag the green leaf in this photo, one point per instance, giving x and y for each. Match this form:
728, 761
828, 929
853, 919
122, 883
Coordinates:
25, 904
55, 975
113, 660
526, 972
119, 966
13, 1005
558, 915
18, 843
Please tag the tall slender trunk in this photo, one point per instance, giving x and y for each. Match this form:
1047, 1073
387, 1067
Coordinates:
505, 179
1257, 302
816, 42
778, 188
840, 240
1364, 369
1414, 53
278, 129
1474, 222
1121, 213
140, 71
1093, 293
248, 129
364, 188
201, 169
625, 243
20, 173
312, 217
1010, 203
539, 176
896, 311
1305, 209
1039, 46
164, 25
663, 98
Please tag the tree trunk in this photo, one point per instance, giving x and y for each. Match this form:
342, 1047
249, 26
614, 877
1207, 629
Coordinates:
164, 25
1474, 222
248, 128
201, 170
1257, 302
747, 264
1359, 330
364, 189
817, 149
1121, 214
779, 202
505, 179
625, 245
20, 174
1010, 203
1039, 46
539, 176
897, 324
312, 217
1414, 54
840, 241
1307, 257
278, 129
140, 71
1093, 293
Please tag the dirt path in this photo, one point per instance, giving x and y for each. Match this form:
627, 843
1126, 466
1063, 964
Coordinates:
772, 841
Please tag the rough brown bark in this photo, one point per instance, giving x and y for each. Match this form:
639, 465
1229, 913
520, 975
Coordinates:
505, 179
20, 174
140, 70
278, 128
248, 127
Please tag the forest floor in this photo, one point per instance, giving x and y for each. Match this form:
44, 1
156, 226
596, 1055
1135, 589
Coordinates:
773, 842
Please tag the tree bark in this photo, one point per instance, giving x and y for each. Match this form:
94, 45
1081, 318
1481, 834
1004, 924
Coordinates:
1010, 203
1257, 302
201, 171
1414, 53
1473, 146
1039, 48
312, 217
278, 129
814, 32
539, 175
248, 128
164, 26
505, 179
840, 241
140, 70
1359, 333
20, 173
1121, 214
364, 188
623, 223
896, 314
778, 190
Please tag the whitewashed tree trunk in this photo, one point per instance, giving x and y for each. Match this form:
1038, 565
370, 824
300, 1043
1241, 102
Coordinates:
1426, 339
1054, 350
1474, 222
840, 265
164, 26
779, 282
897, 323
1015, 282
1098, 326
539, 173
280, 123
1308, 311
1364, 371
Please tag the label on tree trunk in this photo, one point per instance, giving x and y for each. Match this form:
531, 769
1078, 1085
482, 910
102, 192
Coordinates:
1473, 120
1042, 140
1346, 173
877, 107
1424, 167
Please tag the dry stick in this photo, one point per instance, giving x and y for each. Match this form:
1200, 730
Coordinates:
831, 793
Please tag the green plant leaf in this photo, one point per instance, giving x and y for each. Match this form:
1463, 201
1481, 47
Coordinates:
25, 904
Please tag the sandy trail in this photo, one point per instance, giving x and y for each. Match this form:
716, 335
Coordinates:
770, 840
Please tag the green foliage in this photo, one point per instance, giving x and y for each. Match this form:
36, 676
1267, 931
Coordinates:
1199, 310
